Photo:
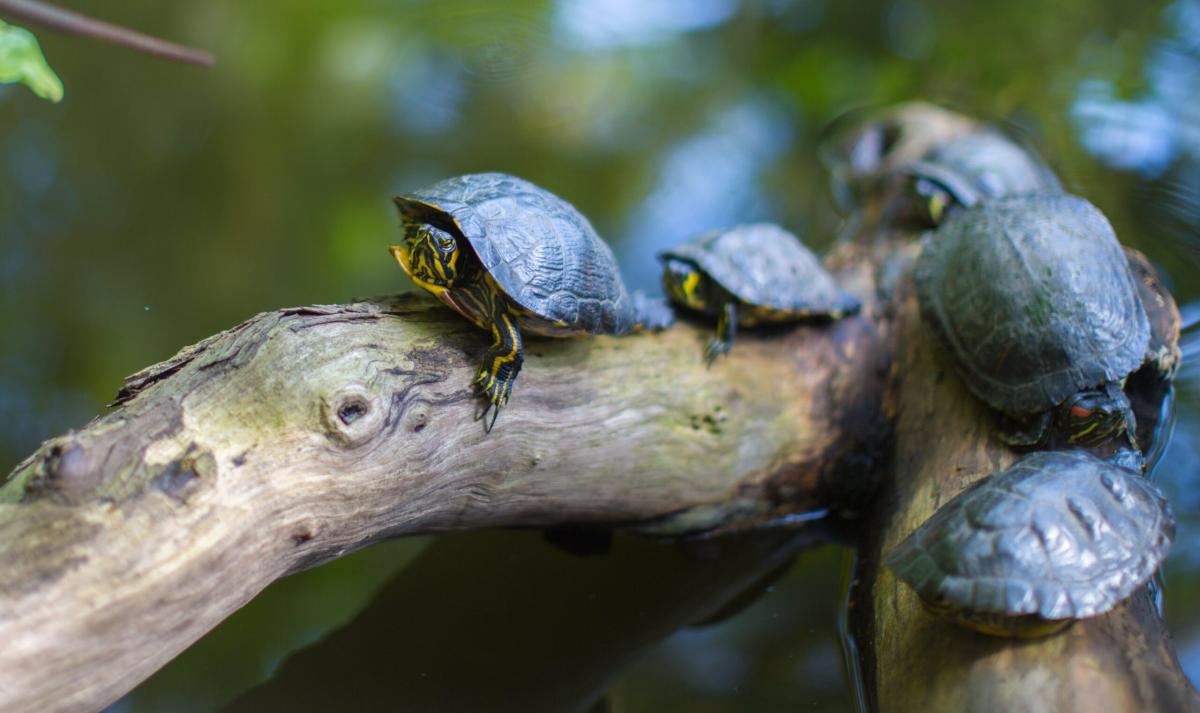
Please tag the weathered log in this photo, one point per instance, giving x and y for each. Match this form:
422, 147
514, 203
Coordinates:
912, 660
305, 433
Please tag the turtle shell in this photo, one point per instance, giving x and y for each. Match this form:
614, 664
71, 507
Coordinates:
1034, 297
764, 265
1058, 535
541, 251
985, 165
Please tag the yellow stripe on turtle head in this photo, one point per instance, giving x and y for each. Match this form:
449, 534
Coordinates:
937, 206
400, 252
690, 283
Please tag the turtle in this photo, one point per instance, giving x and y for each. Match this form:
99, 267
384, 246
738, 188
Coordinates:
514, 258
749, 275
1057, 536
978, 166
1033, 296
865, 148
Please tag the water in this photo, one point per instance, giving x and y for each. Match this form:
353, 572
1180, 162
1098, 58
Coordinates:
161, 203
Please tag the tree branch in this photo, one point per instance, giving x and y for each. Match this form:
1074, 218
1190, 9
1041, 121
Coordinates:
305, 433
945, 439
73, 23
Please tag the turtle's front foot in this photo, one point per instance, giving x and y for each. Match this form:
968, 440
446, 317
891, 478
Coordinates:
726, 331
495, 386
714, 349
501, 364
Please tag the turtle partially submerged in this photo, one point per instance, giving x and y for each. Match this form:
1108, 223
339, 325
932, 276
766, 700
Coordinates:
513, 257
750, 275
980, 166
1034, 297
1058, 536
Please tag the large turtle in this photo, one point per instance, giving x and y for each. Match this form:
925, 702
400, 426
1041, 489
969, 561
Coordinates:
750, 275
513, 257
1058, 536
1033, 296
979, 166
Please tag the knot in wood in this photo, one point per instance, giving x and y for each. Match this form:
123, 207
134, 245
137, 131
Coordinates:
353, 415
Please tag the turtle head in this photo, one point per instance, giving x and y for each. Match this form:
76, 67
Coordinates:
1094, 416
683, 283
429, 255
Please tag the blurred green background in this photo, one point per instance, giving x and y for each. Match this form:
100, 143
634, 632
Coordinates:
160, 203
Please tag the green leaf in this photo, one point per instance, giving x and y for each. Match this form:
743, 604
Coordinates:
21, 60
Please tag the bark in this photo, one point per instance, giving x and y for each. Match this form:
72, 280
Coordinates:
305, 433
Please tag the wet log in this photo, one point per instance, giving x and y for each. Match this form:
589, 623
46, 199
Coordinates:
306, 433
945, 439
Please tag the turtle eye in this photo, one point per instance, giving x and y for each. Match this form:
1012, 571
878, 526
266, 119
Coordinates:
446, 244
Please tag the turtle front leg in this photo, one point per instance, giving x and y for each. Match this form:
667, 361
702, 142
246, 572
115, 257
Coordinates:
726, 331
501, 362
1027, 433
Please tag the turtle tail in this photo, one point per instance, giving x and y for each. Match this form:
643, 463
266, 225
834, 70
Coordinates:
651, 313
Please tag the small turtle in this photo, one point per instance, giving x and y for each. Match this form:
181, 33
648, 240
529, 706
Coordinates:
1058, 536
512, 258
750, 275
1033, 296
978, 166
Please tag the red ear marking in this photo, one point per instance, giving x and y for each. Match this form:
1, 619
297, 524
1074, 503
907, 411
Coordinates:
1080, 412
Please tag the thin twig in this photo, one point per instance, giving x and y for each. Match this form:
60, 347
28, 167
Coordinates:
73, 23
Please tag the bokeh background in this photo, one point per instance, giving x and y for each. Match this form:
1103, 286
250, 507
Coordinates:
160, 203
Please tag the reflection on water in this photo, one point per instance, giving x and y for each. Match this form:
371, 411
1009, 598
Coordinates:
158, 204
706, 181
1151, 133
612, 24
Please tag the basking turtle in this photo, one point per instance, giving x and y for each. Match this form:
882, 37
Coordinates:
868, 146
978, 166
512, 258
1033, 296
750, 275
1058, 536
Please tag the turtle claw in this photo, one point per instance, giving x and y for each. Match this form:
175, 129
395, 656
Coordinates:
489, 406
495, 397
